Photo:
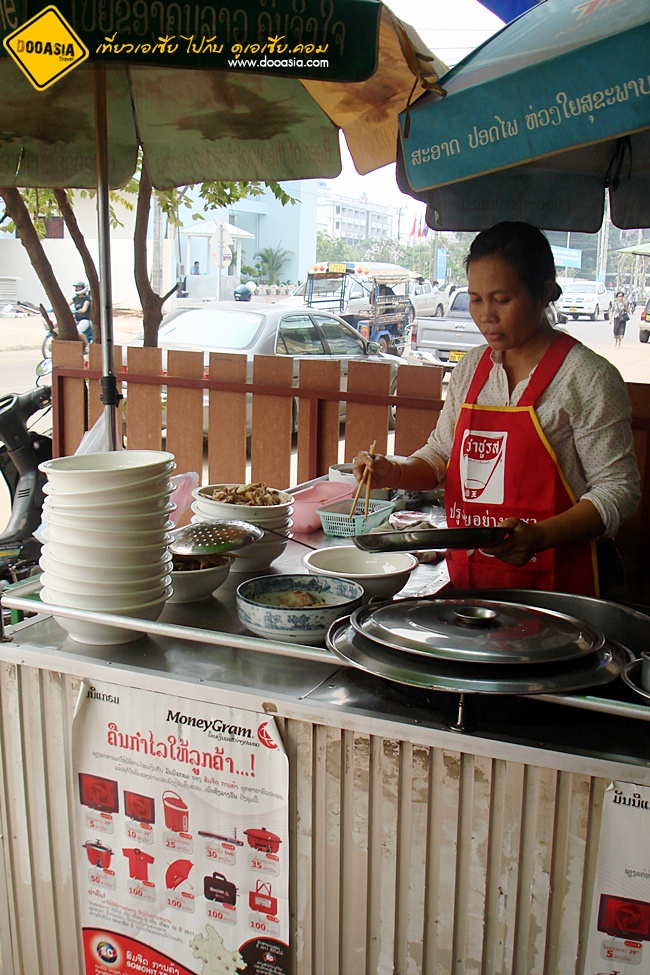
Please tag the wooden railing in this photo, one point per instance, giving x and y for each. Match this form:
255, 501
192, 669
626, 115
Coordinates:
270, 419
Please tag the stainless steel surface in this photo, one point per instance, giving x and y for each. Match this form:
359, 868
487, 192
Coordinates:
430, 538
592, 670
478, 631
213, 538
631, 674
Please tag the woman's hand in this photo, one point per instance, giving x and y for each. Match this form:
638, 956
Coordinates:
385, 473
521, 545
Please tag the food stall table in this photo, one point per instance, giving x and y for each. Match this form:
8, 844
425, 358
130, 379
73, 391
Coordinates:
413, 846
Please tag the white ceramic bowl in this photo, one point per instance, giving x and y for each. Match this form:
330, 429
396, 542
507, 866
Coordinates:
112, 468
100, 572
257, 514
258, 610
136, 521
258, 556
136, 587
380, 573
142, 493
276, 521
107, 634
106, 538
88, 555
103, 603
192, 585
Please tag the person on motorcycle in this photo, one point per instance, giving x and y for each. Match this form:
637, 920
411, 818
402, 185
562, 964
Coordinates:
80, 307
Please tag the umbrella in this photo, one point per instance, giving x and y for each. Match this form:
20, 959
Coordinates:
538, 122
256, 91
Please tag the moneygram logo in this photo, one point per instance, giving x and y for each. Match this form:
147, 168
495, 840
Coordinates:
46, 48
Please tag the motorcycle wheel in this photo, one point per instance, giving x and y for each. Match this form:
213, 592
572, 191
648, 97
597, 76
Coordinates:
46, 347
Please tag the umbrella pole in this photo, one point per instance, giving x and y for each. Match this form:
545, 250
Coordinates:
109, 396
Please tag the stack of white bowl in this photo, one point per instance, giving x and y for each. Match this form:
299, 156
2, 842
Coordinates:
106, 527
274, 519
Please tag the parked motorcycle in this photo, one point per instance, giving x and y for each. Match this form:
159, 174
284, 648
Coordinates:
21, 452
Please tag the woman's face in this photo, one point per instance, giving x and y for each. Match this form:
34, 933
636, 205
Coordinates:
505, 311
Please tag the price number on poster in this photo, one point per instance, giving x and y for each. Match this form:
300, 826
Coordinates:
178, 842
265, 863
224, 913
264, 924
221, 853
102, 878
143, 891
140, 833
182, 902
102, 823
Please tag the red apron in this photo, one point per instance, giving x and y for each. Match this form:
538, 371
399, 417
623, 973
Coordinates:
502, 465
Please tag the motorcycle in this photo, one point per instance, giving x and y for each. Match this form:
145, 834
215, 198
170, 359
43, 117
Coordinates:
21, 451
84, 328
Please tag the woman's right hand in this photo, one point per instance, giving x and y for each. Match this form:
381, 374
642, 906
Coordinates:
385, 472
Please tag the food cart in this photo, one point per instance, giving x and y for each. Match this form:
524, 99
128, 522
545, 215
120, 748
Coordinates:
427, 831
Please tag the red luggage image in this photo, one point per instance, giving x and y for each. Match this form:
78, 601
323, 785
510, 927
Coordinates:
262, 900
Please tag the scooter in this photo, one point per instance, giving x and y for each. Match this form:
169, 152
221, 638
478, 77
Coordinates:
21, 452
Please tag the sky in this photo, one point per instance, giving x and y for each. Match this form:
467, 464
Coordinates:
449, 28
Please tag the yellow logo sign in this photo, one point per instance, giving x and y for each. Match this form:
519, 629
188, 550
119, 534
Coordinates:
46, 48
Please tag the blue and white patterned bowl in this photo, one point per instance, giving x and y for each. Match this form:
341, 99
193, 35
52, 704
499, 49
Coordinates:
257, 608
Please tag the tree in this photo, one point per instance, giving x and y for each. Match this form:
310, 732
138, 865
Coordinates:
26, 209
272, 260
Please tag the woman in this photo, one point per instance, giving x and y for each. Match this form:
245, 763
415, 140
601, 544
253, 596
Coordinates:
534, 435
619, 318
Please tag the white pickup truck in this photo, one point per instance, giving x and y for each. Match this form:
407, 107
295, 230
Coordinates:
444, 341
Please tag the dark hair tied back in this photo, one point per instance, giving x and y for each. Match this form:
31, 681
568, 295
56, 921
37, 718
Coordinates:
525, 247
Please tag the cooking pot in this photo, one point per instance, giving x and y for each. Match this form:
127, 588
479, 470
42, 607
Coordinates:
263, 840
98, 854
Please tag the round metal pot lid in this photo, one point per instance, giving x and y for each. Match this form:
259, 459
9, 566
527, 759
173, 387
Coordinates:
477, 631
598, 668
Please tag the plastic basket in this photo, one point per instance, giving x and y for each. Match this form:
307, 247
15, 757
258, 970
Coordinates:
335, 517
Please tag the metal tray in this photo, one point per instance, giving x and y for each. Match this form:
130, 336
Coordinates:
594, 670
631, 674
468, 630
431, 538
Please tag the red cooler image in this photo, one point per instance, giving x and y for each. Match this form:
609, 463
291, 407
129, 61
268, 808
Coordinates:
176, 812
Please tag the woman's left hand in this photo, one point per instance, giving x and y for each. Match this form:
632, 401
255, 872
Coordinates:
520, 546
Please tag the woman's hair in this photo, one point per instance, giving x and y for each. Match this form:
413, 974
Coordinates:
525, 248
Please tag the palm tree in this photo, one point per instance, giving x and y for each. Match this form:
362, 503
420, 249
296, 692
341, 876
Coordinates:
273, 260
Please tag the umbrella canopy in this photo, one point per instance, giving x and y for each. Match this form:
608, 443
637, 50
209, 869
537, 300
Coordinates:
538, 122
252, 92
230, 105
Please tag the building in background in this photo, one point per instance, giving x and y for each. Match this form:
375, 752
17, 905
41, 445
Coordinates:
353, 220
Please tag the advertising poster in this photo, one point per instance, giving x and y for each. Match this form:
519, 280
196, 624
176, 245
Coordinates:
181, 833
619, 933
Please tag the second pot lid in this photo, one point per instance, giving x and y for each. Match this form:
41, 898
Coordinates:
443, 675
477, 631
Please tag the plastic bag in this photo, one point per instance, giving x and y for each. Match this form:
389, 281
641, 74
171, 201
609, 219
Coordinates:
184, 484
96, 440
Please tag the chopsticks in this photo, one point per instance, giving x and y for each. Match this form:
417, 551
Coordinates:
365, 481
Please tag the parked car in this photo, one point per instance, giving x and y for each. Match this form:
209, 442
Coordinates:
644, 324
444, 341
587, 299
276, 329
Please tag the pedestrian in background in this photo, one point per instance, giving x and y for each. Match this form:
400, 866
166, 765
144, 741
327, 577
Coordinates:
619, 318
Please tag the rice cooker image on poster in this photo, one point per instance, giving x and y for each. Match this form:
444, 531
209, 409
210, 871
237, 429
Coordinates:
217, 888
176, 812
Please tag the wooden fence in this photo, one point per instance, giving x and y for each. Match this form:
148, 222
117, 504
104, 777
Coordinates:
264, 426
